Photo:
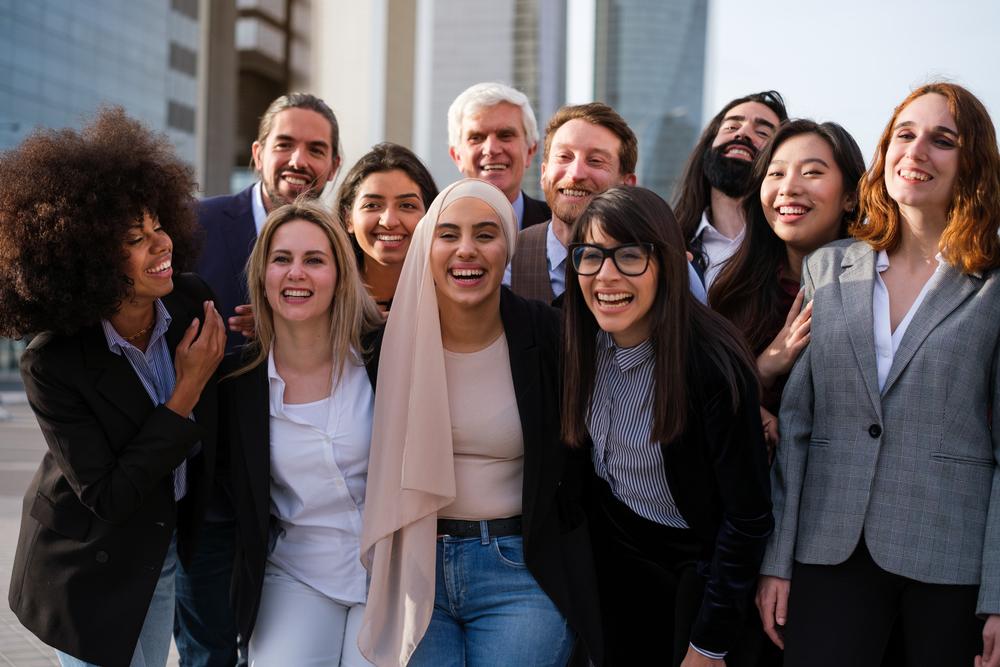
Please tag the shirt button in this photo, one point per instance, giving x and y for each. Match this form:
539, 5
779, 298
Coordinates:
874, 430
101, 556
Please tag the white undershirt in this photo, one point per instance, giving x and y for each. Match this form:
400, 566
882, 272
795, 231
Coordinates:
319, 467
886, 340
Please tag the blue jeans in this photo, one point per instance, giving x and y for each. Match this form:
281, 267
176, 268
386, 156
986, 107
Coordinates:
204, 624
153, 646
489, 610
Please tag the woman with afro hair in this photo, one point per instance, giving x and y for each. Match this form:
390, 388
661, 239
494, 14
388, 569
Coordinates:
95, 227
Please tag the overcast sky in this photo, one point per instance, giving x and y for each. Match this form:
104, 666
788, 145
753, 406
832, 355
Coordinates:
850, 61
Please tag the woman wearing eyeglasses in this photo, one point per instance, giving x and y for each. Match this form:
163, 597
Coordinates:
667, 402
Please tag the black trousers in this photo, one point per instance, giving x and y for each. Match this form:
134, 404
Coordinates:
643, 566
844, 615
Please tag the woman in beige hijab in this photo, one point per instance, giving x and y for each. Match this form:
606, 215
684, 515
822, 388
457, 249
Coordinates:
476, 549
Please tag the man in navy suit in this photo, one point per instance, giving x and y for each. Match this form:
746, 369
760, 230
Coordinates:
492, 136
296, 152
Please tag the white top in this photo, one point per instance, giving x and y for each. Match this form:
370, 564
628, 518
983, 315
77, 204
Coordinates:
319, 468
717, 247
886, 340
257, 206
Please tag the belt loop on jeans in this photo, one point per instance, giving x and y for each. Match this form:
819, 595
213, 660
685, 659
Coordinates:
484, 532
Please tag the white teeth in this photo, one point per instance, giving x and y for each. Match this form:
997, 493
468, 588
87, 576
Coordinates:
494, 167
792, 210
574, 193
296, 180
296, 292
467, 273
914, 175
162, 266
389, 238
739, 151
615, 298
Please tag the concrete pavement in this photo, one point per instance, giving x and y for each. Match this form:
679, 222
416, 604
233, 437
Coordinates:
21, 448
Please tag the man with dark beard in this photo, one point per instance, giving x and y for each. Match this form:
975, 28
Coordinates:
717, 176
296, 153
588, 149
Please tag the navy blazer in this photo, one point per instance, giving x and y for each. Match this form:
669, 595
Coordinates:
230, 233
99, 514
535, 212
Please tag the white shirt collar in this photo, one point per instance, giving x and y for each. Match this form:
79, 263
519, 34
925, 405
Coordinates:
257, 206
708, 228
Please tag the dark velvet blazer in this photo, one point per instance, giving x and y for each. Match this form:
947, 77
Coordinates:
230, 233
99, 514
535, 212
246, 428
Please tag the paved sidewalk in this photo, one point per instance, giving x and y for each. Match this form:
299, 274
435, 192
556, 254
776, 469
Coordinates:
21, 448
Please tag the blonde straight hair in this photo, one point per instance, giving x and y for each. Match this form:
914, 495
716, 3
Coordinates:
353, 312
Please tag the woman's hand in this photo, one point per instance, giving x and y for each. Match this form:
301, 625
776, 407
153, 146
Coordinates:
779, 356
770, 423
243, 321
991, 643
772, 603
195, 360
695, 659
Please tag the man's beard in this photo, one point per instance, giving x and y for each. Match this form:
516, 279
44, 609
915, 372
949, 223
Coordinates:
277, 199
729, 176
568, 212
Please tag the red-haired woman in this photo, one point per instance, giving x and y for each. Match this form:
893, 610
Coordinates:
886, 489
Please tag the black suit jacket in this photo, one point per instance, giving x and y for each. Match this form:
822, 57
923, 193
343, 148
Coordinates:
99, 514
718, 475
535, 212
245, 429
230, 233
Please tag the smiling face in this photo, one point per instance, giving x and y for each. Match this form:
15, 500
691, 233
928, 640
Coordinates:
468, 254
921, 162
148, 253
296, 157
621, 304
743, 132
385, 212
582, 162
493, 147
301, 273
803, 193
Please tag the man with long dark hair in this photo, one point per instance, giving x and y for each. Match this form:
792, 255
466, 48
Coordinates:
717, 176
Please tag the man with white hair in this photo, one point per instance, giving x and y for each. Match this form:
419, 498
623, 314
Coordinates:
493, 135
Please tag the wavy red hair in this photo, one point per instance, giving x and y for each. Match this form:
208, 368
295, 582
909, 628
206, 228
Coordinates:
970, 241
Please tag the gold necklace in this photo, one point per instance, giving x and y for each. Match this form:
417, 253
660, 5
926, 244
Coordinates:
140, 331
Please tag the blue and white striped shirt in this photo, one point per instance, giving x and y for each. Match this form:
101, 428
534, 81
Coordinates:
620, 422
155, 370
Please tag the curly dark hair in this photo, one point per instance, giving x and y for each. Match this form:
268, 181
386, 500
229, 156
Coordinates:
67, 200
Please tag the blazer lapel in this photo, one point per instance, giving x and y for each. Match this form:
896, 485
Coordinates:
241, 232
252, 397
856, 284
525, 368
116, 380
951, 291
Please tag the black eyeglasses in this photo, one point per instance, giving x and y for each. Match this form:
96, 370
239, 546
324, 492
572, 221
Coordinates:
631, 259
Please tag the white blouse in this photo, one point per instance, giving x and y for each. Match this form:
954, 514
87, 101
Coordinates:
319, 468
886, 340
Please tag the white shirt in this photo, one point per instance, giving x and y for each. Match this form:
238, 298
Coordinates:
257, 206
319, 467
886, 340
717, 247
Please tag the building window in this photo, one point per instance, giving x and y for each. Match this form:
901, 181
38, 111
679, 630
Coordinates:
188, 8
180, 116
183, 59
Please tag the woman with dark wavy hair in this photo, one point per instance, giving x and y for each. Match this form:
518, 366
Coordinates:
95, 227
666, 399
804, 195
886, 483
382, 198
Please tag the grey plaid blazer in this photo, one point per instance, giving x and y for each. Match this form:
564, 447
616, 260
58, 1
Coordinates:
915, 466
529, 267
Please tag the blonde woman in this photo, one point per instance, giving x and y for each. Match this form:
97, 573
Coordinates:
298, 419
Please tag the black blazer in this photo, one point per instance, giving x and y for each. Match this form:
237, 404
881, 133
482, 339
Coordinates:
99, 514
535, 212
245, 429
230, 233
718, 476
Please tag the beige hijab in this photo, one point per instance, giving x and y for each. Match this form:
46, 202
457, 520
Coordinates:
411, 472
